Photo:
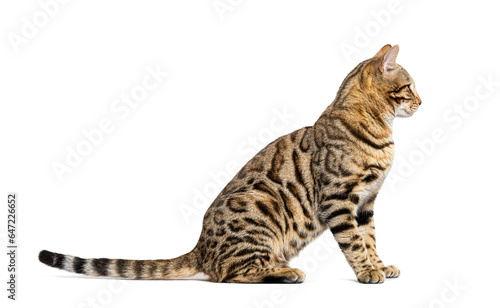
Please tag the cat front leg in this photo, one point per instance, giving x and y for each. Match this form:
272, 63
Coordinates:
366, 226
342, 224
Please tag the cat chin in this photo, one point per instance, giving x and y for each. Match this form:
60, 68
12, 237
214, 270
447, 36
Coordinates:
404, 114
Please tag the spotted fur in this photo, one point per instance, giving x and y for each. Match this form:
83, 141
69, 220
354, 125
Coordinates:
324, 177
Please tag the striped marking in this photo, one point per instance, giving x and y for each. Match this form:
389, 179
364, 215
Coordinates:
264, 209
138, 268
78, 265
262, 187
362, 137
304, 143
260, 224
343, 211
100, 266
364, 217
296, 194
354, 73
277, 162
58, 260
237, 206
342, 227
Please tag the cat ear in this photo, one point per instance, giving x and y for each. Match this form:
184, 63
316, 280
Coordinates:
383, 51
389, 63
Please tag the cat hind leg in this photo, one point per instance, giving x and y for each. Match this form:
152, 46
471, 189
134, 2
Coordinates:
268, 275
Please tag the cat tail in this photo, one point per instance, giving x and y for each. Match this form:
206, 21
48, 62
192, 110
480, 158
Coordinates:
181, 267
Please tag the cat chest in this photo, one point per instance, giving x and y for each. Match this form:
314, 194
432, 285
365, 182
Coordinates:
372, 178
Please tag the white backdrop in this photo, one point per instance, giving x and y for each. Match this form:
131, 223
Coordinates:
120, 120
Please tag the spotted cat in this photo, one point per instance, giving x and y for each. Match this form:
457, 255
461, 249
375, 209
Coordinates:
323, 177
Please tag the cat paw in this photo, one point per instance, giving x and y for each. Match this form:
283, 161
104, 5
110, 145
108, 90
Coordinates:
373, 275
300, 275
390, 271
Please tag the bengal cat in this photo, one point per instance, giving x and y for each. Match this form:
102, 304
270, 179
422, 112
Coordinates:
322, 177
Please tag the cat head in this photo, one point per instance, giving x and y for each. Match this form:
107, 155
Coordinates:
393, 82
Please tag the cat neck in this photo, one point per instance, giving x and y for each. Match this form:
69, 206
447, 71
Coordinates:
367, 109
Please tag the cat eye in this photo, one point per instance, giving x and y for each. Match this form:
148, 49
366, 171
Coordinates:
402, 88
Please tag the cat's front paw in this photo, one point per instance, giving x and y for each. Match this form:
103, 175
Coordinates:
373, 275
390, 271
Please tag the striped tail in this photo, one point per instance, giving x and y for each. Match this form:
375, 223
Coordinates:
180, 267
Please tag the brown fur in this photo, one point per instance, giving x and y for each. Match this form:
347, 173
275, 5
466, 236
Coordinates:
322, 177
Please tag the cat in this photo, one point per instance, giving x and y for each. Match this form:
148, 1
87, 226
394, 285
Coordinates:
326, 176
